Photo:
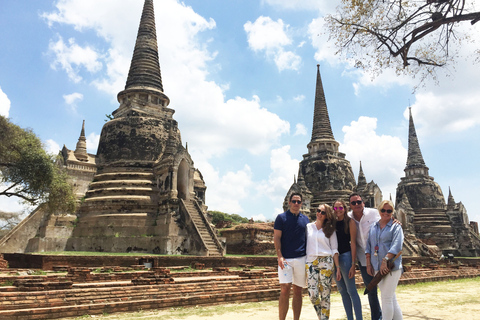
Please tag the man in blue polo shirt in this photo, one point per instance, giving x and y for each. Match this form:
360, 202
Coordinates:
289, 237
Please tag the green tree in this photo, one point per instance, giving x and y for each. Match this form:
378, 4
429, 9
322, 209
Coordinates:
218, 216
408, 35
29, 173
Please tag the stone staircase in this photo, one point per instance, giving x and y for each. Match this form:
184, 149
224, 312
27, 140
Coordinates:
433, 225
206, 232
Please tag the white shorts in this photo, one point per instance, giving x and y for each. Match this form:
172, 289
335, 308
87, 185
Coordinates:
295, 272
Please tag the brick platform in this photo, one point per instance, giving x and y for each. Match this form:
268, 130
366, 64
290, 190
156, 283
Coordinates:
80, 292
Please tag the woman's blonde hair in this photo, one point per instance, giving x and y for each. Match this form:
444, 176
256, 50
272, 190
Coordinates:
346, 219
384, 202
330, 221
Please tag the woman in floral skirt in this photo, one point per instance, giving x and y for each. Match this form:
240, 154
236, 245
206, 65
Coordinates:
322, 256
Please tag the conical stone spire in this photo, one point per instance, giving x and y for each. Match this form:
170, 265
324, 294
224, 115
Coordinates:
451, 200
145, 66
144, 88
414, 158
322, 135
322, 128
81, 148
362, 181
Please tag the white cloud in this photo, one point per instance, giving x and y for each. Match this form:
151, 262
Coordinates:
52, 147
287, 60
259, 217
226, 192
283, 169
383, 157
4, 104
300, 130
299, 98
71, 57
447, 113
266, 35
92, 142
72, 99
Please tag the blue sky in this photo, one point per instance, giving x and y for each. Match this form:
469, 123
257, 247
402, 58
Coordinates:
240, 75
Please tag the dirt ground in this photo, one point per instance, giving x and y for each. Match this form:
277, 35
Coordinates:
457, 300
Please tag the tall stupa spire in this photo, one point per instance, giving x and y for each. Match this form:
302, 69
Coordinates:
321, 121
322, 135
414, 158
144, 83
145, 65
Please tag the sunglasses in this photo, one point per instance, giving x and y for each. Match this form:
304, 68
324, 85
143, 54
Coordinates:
337, 208
321, 212
387, 211
356, 202
296, 201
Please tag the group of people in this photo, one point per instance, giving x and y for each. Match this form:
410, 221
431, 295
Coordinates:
311, 254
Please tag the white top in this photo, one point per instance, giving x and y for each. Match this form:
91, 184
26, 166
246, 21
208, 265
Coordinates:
318, 245
369, 217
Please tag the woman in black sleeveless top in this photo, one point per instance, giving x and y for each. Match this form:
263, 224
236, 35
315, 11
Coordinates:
347, 230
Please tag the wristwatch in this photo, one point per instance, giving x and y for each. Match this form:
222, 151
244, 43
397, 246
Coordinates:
386, 259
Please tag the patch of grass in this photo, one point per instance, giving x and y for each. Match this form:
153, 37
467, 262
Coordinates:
6, 283
38, 273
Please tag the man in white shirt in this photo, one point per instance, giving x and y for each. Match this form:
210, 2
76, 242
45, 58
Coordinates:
364, 218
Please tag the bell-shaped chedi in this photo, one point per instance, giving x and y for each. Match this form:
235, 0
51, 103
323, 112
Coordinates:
146, 196
419, 187
325, 171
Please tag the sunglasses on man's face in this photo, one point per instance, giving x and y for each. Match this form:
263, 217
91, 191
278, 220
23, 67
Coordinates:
337, 208
321, 212
356, 202
387, 211
296, 201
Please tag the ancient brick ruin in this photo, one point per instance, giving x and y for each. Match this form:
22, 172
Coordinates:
82, 286
141, 191
432, 227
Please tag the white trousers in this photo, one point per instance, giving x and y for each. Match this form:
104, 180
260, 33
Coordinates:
390, 307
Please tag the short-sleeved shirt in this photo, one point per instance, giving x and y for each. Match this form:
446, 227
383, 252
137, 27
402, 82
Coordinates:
294, 236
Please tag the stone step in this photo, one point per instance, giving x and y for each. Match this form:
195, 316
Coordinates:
127, 190
124, 199
121, 183
123, 176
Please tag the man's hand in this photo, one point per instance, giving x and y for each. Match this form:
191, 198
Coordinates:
281, 262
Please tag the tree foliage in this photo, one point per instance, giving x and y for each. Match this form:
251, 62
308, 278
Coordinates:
29, 173
414, 36
218, 216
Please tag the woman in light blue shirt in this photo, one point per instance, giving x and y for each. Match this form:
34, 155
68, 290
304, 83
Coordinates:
385, 241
